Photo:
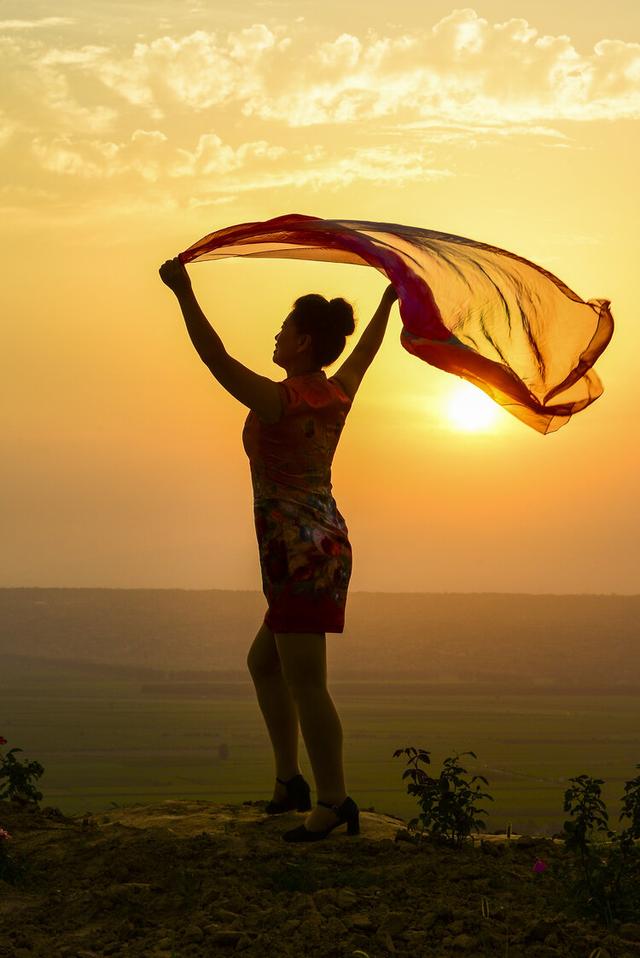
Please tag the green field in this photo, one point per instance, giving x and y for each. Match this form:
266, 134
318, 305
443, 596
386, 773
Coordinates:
104, 739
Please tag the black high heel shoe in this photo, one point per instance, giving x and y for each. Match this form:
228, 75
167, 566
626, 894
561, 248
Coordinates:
347, 812
298, 796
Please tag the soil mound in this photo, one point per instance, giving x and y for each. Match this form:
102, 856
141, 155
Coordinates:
183, 879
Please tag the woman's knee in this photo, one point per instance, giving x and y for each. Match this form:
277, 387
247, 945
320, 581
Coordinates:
263, 658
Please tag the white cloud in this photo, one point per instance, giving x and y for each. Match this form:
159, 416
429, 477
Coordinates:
211, 155
343, 52
35, 24
440, 132
463, 69
194, 202
7, 129
146, 153
157, 109
149, 155
60, 155
196, 70
382, 165
36, 89
86, 55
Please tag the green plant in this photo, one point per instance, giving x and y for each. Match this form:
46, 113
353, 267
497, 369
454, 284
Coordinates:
631, 810
608, 886
18, 775
447, 802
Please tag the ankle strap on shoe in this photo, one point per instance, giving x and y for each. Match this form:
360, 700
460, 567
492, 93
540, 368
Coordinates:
282, 781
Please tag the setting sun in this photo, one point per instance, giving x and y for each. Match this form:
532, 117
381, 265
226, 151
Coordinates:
469, 409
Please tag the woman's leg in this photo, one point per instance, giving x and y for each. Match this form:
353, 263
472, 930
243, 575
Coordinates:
277, 705
304, 666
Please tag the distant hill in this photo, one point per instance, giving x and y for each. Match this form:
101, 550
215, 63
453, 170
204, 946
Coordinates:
540, 641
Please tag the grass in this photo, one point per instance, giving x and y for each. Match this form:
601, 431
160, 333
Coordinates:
101, 740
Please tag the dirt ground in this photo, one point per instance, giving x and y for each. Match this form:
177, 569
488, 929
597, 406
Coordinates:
188, 879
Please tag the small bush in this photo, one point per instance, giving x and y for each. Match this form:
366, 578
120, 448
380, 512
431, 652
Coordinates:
608, 883
448, 802
18, 776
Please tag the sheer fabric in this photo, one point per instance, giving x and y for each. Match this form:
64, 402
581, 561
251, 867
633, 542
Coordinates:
485, 314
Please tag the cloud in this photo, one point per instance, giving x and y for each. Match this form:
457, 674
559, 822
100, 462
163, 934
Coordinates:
453, 132
381, 165
147, 154
196, 71
41, 91
35, 24
7, 129
85, 56
255, 165
61, 155
161, 107
211, 155
194, 202
463, 69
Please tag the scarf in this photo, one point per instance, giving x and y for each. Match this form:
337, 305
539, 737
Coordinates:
482, 313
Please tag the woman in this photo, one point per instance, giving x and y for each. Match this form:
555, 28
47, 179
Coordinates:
290, 437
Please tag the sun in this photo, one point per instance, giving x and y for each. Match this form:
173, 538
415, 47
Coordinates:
471, 410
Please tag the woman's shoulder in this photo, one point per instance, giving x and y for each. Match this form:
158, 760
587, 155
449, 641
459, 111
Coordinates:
314, 391
340, 388
317, 388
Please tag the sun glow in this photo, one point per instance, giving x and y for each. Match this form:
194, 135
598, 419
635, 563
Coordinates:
471, 410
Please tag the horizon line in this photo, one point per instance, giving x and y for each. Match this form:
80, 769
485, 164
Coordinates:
96, 588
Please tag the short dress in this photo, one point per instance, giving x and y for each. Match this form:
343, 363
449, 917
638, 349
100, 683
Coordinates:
303, 540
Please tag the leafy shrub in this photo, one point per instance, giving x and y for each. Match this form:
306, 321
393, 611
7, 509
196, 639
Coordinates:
608, 883
17, 786
447, 802
18, 776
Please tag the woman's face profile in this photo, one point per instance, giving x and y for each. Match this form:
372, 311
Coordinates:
286, 340
281, 340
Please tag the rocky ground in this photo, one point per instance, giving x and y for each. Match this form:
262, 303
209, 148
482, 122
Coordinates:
189, 879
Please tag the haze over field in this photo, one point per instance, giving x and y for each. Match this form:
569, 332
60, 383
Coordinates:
512, 641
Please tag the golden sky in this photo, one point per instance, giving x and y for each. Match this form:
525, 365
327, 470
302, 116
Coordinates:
129, 130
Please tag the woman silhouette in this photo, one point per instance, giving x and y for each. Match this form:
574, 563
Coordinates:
290, 437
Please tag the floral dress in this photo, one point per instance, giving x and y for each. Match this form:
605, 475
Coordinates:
303, 540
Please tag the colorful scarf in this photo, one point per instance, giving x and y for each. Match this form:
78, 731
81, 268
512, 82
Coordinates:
486, 315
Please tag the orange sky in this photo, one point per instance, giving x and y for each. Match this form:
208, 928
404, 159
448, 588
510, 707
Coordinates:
126, 134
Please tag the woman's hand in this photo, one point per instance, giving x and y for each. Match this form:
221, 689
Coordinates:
390, 293
174, 275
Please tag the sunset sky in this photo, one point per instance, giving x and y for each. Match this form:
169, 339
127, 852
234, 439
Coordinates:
130, 130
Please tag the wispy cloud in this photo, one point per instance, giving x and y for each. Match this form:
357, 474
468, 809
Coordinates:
196, 71
462, 70
97, 112
382, 165
147, 153
42, 23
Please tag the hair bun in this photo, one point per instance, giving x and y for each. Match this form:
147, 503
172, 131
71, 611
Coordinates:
327, 322
343, 313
